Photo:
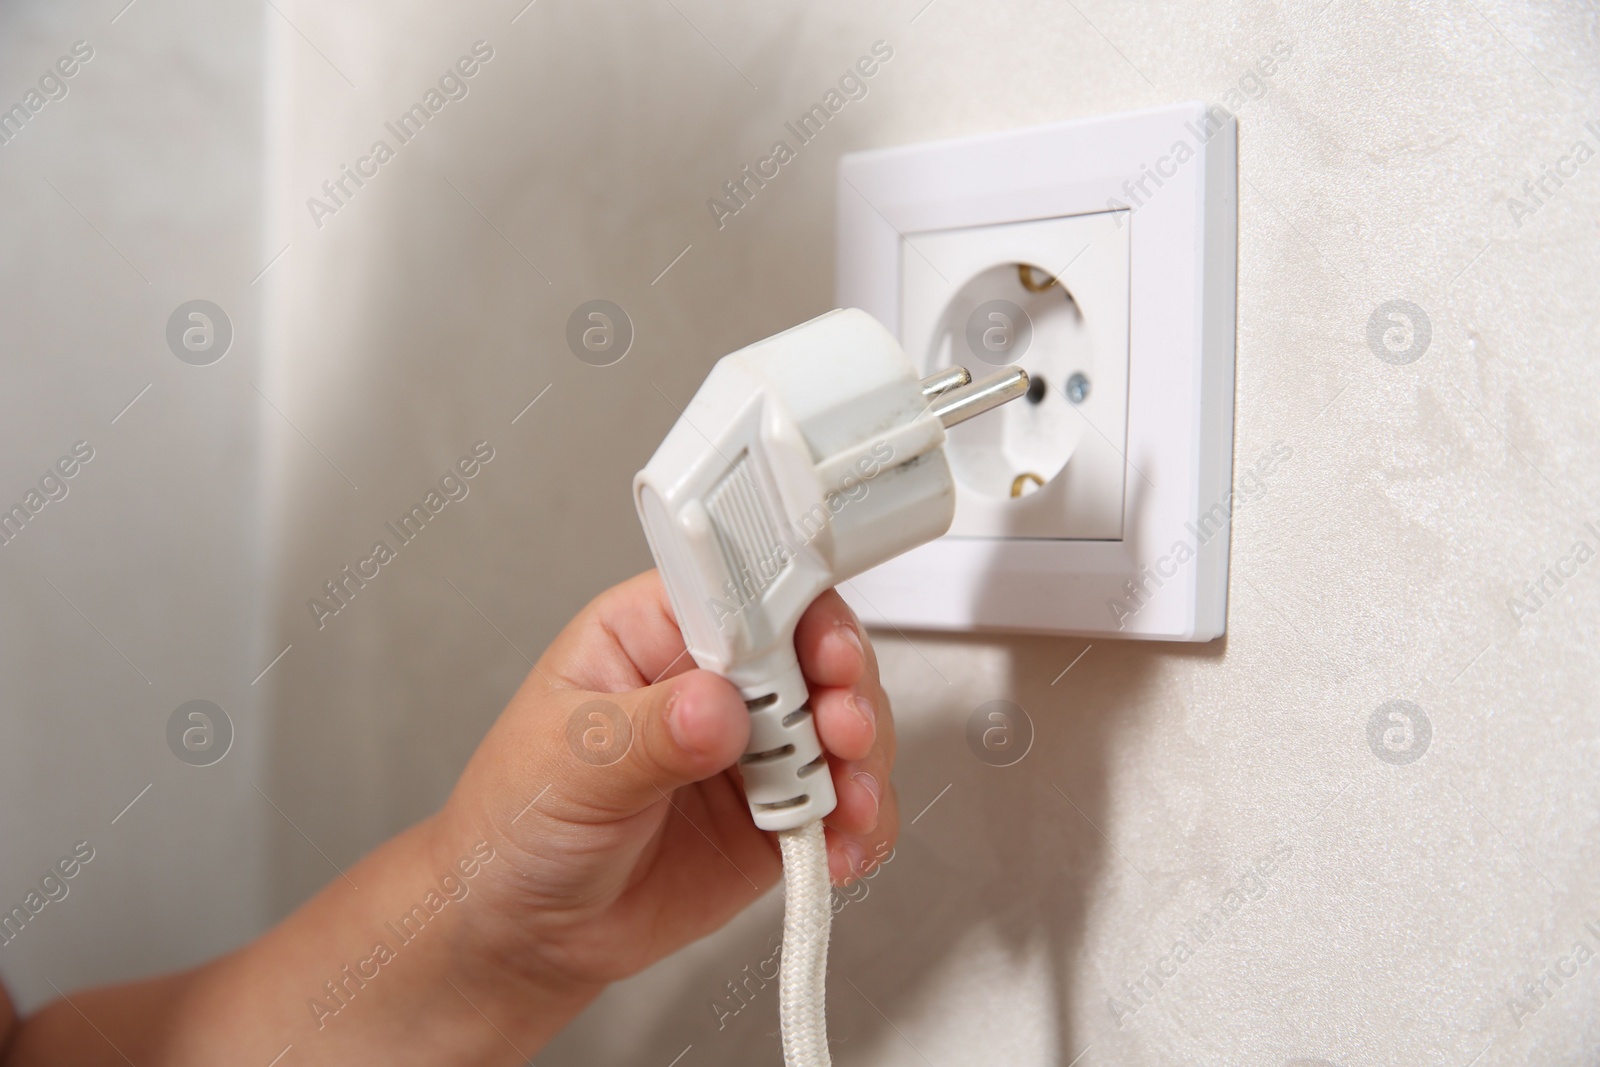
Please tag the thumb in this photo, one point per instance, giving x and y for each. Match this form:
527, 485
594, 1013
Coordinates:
622, 751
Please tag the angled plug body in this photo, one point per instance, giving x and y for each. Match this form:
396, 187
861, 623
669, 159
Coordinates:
803, 460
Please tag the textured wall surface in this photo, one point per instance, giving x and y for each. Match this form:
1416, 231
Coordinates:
1333, 904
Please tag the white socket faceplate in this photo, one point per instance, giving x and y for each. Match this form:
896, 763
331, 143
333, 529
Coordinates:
1137, 214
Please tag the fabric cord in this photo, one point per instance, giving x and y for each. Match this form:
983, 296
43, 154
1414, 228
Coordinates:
807, 917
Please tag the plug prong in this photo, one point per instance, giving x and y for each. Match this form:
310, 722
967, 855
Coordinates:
945, 380
961, 404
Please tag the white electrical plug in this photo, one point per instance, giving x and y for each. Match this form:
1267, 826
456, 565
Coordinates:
803, 460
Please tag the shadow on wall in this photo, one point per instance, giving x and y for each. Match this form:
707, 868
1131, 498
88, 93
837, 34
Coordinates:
995, 872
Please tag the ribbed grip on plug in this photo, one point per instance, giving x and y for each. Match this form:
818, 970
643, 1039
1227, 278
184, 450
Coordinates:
786, 776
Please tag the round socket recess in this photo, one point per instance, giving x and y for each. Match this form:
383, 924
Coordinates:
1015, 315
1051, 296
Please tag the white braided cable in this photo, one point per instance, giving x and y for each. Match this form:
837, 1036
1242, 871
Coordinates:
807, 916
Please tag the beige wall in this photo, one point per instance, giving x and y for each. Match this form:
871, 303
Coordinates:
1408, 904
140, 590
1413, 900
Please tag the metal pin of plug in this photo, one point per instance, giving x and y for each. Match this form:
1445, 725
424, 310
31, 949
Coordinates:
959, 405
945, 380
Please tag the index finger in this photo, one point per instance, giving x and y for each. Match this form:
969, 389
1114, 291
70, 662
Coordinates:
625, 638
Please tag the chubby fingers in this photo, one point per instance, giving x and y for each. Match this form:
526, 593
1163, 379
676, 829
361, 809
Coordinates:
619, 753
835, 656
830, 642
623, 639
855, 854
857, 730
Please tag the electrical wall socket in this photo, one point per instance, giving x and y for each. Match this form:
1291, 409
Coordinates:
1100, 256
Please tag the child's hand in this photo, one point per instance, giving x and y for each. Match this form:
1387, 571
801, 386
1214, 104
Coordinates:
615, 804
591, 839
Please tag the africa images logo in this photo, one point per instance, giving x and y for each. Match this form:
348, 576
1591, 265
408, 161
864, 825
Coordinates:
452, 85
852, 85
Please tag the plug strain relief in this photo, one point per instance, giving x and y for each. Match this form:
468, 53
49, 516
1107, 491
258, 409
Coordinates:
786, 777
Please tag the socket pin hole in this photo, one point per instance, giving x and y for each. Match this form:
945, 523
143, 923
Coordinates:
1036, 389
1041, 282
